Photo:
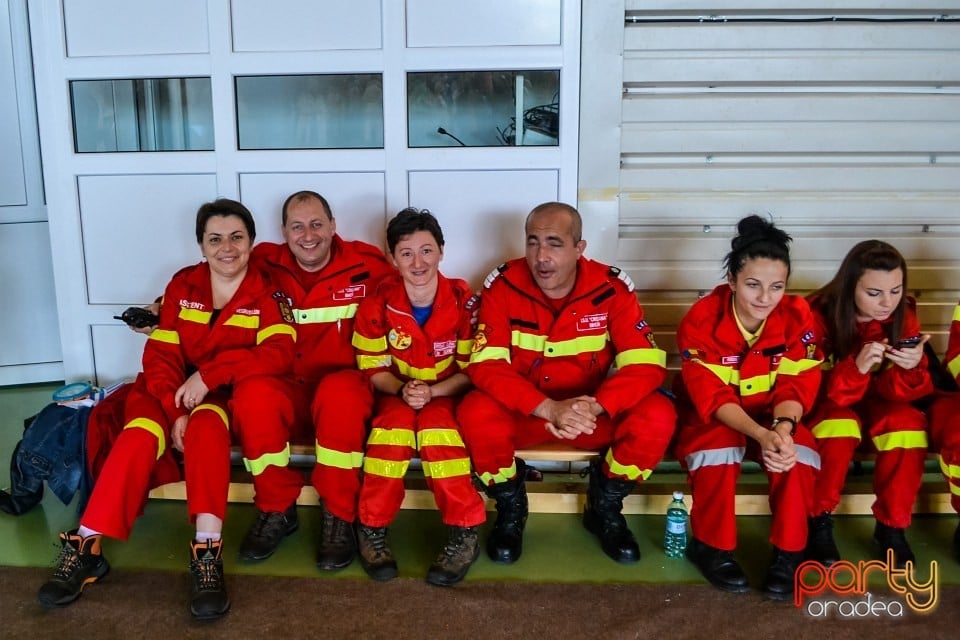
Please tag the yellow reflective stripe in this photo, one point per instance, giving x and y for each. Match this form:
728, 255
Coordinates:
374, 362
385, 468
276, 329
953, 366
502, 475
375, 345
633, 472
949, 470
152, 427
242, 320
216, 409
956, 313
837, 428
560, 348
339, 459
465, 347
277, 459
793, 367
757, 384
900, 440
439, 438
395, 437
641, 356
195, 315
165, 335
324, 314
425, 373
488, 353
447, 469
528, 341
727, 375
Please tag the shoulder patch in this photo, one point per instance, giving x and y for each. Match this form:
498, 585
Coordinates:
473, 302
621, 275
494, 275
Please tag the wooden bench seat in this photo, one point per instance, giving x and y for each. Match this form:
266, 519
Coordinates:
563, 489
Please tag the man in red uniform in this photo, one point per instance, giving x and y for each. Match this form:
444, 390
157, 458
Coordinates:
325, 277
945, 425
551, 326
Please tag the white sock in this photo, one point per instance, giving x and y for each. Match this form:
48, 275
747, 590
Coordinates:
86, 532
207, 535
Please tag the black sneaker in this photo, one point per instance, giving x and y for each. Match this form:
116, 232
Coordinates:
376, 558
820, 544
210, 599
893, 539
338, 545
266, 533
718, 566
80, 563
458, 554
780, 575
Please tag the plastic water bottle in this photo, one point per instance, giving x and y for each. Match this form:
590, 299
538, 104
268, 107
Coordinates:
675, 536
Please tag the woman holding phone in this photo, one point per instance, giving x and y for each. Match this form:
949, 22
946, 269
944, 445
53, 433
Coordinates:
874, 368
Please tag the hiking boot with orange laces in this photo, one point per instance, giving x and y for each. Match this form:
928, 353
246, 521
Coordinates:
210, 599
80, 563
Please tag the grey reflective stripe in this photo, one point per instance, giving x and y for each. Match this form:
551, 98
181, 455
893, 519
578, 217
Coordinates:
807, 456
714, 457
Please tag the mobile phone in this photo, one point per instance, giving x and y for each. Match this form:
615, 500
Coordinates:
908, 343
139, 317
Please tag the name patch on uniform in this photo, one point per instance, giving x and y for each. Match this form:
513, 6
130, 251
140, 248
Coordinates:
592, 322
351, 293
248, 312
730, 360
190, 304
807, 337
444, 348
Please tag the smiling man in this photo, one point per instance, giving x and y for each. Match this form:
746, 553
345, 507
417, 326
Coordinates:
323, 278
552, 325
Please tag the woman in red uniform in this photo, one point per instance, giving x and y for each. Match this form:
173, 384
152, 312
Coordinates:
750, 372
413, 337
944, 416
874, 369
221, 325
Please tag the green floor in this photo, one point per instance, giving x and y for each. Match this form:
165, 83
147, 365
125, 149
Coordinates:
557, 549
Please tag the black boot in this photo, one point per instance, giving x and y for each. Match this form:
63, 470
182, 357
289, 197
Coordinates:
602, 515
80, 563
210, 599
266, 533
505, 543
780, 575
460, 551
820, 544
718, 566
893, 538
376, 558
338, 545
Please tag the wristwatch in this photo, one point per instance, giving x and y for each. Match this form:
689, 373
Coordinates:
778, 420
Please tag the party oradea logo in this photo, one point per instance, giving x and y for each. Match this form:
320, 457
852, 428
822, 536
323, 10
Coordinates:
842, 590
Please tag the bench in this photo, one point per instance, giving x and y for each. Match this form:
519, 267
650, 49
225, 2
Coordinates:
563, 489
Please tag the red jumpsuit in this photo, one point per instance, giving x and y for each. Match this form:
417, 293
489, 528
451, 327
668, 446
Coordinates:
945, 418
878, 402
720, 368
525, 352
323, 305
248, 341
388, 339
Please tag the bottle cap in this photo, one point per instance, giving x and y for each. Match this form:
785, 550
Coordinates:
678, 495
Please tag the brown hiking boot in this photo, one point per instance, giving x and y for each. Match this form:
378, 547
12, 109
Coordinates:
376, 558
337, 545
210, 599
80, 563
460, 551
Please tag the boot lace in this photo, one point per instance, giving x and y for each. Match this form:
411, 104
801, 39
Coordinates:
68, 561
206, 572
376, 541
334, 530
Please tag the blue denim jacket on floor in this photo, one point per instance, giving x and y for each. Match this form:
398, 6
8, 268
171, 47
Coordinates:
53, 448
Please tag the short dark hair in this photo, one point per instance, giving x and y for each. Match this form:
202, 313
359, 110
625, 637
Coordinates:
224, 207
836, 300
576, 228
409, 221
757, 238
303, 196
